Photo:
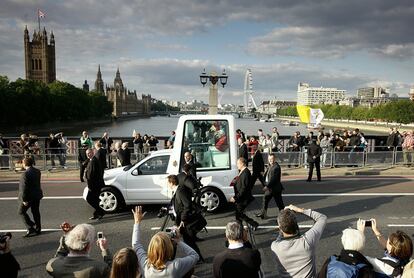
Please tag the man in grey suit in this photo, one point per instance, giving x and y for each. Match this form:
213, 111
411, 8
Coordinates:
30, 194
273, 188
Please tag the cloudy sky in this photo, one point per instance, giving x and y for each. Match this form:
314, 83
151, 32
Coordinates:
161, 46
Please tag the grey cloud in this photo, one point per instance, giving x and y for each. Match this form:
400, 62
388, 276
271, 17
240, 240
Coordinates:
335, 27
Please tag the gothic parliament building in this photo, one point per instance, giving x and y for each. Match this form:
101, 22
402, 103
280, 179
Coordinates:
40, 65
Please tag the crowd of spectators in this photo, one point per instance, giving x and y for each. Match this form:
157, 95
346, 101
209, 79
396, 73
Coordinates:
167, 255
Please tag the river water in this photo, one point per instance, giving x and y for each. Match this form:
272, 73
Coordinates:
162, 126
158, 126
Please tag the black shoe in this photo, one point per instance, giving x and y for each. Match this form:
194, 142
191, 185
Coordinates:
38, 231
308, 180
255, 225
100, 217
30, 233
82, 180
319, 180
261, 215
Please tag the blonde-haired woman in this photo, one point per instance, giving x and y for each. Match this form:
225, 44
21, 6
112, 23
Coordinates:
159, 261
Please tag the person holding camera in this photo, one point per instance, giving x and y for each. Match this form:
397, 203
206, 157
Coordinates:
398, 250
350, 260
72, 257
184, 212
8, 264
295, 252
30, 194
160, 259
240, 259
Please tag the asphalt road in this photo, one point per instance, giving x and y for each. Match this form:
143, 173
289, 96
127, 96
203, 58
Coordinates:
342, 199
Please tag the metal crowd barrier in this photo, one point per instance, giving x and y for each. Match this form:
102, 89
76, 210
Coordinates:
329, 158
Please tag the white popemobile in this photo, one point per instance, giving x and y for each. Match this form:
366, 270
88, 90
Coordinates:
212, 141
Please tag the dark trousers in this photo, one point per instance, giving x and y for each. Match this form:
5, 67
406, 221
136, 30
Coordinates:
93, 199
317, 165
82, 168
241, 216
268, 195
256, 176
34, 207
189, 237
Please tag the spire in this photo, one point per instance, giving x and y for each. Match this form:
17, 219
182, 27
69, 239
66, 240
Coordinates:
26, 33
52, 38
99, 84
118, 81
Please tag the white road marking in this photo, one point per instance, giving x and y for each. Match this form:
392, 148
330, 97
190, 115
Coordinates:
24, 230
42, 182
46, 198
343, 194
284, 178
258, 195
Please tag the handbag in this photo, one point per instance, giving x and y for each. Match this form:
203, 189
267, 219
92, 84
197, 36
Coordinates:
197, 223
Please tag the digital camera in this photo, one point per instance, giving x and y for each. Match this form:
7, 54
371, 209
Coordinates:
172, 232
4, 237
163, 212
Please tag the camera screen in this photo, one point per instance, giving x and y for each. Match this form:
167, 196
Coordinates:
368, 223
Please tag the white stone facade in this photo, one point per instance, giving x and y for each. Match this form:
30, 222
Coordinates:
318, 95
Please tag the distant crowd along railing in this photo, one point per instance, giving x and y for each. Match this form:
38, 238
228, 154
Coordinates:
375, 153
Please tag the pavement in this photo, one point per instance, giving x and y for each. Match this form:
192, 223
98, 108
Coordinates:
344, 195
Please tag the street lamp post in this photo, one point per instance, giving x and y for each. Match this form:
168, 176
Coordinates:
213, 92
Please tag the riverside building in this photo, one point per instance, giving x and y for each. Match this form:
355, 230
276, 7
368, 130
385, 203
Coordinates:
308, 95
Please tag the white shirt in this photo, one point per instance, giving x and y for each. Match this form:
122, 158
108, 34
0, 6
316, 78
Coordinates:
236, 245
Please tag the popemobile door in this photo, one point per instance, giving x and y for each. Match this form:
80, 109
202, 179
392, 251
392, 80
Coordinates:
147, 183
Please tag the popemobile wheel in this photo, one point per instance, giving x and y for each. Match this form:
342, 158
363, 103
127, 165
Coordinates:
110, 200
211, 199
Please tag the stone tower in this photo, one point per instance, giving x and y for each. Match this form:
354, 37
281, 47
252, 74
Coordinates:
118, 81
99, 84
39, 56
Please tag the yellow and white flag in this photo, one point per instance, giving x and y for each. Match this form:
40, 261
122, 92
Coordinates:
310, 115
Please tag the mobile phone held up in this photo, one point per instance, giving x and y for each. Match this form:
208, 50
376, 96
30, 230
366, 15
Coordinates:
368, 223
100, 235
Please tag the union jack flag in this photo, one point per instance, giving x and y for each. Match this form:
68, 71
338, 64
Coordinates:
41, 14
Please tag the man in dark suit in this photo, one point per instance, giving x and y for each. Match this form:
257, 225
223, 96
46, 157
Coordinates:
106, 143
243, 151
83, 160
100, 154
30, 194
188, 159
238, 260
243, 194
4, 149
314, 160
185, 178
183, 208
94, 178
258, 168
273, 186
